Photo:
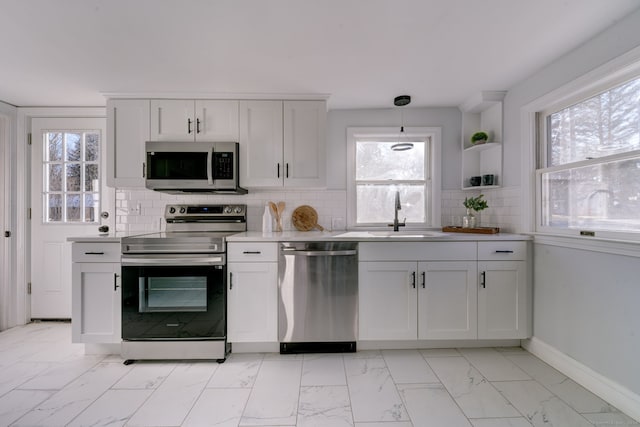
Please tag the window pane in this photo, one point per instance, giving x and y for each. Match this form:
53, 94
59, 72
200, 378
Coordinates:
91, 206
92, 147
377, 161
73, 176
73, 207
74, 146
54, 177
53, 210
603, 197
53, 146
606, 124
376, 203
91, 178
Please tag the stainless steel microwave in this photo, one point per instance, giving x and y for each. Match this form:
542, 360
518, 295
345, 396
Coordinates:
192, 167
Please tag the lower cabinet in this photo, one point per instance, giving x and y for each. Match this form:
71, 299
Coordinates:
502, 300
252, 292
96, 306
417, 300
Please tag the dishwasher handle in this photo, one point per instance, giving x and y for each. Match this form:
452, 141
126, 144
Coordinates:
291, 251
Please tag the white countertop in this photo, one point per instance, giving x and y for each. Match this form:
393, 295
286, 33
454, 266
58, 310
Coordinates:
407, 236
115, 237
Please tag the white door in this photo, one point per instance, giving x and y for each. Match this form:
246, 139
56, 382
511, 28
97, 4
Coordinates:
173, 120
252, 302
502, 300
68, 196
447, 300
5, 206
387, 306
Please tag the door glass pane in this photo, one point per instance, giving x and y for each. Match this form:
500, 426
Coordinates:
376, 203
92, 147
74, 146
53, 207
53, 146
54, 177
73, 177
91, 182
90, 207
73, 207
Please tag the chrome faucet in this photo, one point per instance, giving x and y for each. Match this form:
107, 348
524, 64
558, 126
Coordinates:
397, 224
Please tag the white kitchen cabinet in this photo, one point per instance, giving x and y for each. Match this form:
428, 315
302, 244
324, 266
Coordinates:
504, 298
252, 292
127, 131
96, 293
282, 143
482, 112
447, 300
194, 120
387, 307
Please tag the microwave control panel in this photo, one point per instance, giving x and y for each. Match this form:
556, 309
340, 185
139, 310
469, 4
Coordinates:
222, 165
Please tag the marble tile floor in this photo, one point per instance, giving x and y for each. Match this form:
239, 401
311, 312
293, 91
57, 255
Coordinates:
45, 380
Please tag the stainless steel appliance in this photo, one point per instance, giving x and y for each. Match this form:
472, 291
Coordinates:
174, 285
192, 167
318, 297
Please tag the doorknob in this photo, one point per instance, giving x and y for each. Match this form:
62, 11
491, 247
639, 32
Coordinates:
7, 233
104, 214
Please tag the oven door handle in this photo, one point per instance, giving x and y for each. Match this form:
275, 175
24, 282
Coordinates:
168, 261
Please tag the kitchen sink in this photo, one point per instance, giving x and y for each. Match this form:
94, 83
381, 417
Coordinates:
388, 234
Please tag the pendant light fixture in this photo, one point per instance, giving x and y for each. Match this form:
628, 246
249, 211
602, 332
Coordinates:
401, 101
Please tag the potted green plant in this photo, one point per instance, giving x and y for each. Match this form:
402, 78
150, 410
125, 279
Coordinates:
479, 137
473, 204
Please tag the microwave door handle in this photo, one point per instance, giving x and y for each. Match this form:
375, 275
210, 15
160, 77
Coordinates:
210, 167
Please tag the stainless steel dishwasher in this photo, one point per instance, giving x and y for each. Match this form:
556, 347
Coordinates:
318, 297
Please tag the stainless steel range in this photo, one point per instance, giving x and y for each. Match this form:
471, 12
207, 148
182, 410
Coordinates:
174, 285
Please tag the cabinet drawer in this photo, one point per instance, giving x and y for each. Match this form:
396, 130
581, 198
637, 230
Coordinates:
503, 250
95, 252
252, 252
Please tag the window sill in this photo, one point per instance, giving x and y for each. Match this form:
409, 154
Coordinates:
594, 244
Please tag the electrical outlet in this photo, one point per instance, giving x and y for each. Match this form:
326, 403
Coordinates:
135, 209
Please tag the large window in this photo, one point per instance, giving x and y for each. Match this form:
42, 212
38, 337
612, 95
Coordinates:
589, 173
378, 170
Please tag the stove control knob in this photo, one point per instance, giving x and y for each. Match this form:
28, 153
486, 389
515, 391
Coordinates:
227, 209
238, 209
183, 210
172, 210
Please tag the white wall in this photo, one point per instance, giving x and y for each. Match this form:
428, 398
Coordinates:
586, 303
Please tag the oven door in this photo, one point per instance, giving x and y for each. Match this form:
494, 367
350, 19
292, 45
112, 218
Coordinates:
173, 298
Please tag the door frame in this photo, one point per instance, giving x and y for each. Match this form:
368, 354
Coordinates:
7, 291
23, 194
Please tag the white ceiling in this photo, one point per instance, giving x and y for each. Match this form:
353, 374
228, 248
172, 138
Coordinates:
362, 53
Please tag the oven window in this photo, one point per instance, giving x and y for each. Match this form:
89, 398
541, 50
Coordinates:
176, 165
185, 293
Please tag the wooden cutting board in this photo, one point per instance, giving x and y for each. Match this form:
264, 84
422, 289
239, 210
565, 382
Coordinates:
305, 218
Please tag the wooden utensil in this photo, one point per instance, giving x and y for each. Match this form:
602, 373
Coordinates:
305, 218
279, 210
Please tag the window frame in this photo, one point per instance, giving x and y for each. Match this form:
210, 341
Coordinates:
432, 180
590, 85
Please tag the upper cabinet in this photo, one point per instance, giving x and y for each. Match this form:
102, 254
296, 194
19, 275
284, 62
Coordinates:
482, 112
127, 130
194, 120
282, 143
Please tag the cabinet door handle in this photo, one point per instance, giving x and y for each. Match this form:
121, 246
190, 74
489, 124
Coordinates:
252, 252
144, 170
504, 252
189, 126
482, 279
413, 279
287, 173
115, 281
230, 281
94, 253
278, 170
424, 281
197, 125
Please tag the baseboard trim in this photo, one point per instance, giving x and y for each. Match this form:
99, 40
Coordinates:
614, 393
